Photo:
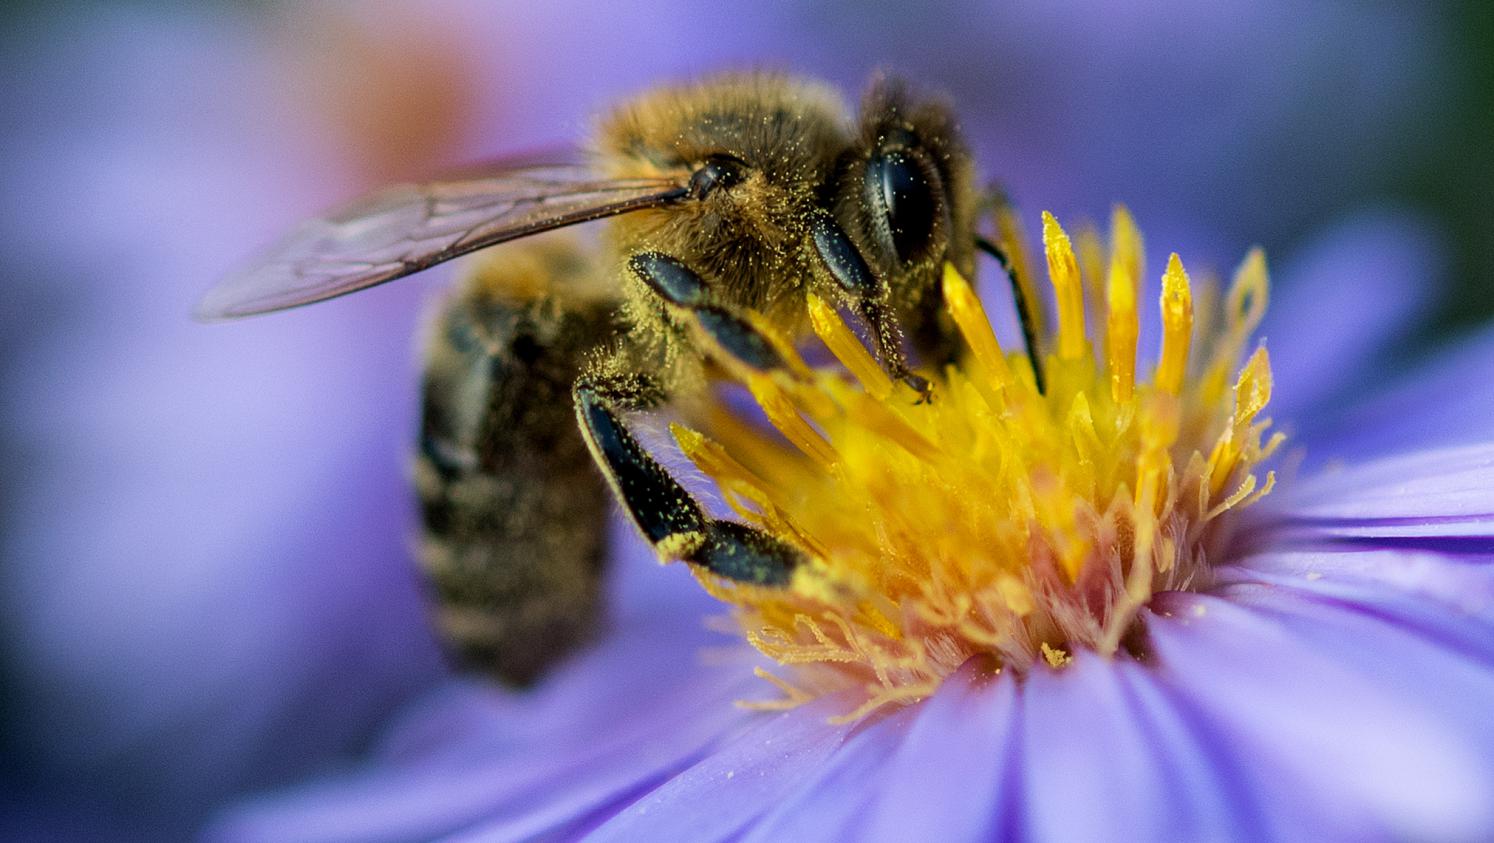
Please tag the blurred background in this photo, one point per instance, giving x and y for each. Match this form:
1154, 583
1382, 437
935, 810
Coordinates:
206, 585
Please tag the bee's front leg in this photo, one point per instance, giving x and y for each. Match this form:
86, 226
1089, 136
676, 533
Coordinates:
665, 513
868, 294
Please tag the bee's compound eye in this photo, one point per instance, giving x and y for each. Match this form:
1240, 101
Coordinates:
897, 185
718, 171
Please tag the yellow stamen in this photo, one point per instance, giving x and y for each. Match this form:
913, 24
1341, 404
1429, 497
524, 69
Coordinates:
1063, 271
833, 332
781, 412
1121, 289
1013, 240
1177, 326
971, 319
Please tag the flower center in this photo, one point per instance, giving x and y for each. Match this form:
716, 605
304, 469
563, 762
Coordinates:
997, 520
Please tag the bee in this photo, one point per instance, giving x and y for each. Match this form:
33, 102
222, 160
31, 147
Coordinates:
728, 201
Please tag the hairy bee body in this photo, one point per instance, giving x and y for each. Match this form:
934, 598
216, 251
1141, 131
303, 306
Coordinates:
728, 203
510, 501
748, 240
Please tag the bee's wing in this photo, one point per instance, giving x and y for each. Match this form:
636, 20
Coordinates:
408, 227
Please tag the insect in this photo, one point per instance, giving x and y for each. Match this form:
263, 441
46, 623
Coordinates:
728, 201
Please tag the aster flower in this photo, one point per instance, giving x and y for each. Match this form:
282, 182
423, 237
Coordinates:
1083, 613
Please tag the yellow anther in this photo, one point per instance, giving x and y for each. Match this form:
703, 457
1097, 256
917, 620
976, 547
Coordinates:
780, 411
1249, 293
1126, 243
1012, 238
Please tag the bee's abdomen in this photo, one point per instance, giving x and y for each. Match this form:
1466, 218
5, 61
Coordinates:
512, 509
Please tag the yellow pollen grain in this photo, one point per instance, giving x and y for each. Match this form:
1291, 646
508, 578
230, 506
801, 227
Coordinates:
1055, 656
1063, 271
1177, 326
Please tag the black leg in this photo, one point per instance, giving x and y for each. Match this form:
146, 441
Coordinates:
747, 554
889, 339
672, 280
736, 336
725, 331
667, 515
844, 262
1024, 309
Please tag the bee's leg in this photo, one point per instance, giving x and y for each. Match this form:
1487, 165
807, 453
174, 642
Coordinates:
889, 339
994, 201
840, 257
513, 513
1024, 309
663, 511
683, 289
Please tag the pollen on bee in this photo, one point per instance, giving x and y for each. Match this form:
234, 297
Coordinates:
996, 521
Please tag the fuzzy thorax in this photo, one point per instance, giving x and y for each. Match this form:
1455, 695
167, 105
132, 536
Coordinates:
996, 521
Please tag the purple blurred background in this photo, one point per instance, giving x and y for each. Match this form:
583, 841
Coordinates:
206, 580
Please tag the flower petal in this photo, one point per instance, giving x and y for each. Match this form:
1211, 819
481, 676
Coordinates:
1356, 287
1104, 749
1343, 724
832, 802
964, 740
1444, 401
717, 797
1438, 499
1451, 596
626, 714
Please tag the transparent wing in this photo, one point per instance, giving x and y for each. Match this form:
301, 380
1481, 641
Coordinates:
409, 227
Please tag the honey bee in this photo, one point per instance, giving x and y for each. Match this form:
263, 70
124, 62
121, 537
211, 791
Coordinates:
728, 202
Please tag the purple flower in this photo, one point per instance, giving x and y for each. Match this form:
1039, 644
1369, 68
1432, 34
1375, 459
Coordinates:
1332, 681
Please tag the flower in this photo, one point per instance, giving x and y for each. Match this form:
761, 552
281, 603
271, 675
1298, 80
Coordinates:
1323, 674
1007, 519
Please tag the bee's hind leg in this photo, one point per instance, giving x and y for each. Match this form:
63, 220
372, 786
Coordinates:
665, 513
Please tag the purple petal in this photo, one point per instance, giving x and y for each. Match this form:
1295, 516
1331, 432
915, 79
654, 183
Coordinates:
1343, 724
514, 765
1440, 498
1103, 749
718, 797
1450, 593
1357, 286
1446, 401
963, 742
832, 802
